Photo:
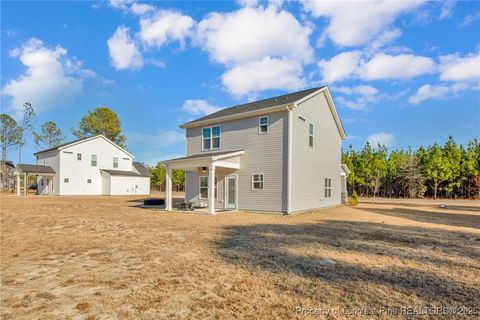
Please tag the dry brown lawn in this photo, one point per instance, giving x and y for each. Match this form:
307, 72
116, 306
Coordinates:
106, 258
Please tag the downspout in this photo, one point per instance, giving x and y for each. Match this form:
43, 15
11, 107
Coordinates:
289, 159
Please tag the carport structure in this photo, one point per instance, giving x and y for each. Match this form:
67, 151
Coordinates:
27, 170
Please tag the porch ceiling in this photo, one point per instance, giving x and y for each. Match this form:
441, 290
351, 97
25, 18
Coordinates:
227, 159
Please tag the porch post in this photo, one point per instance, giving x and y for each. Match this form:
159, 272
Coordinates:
211, 189
18, 184
168, 189
25, 184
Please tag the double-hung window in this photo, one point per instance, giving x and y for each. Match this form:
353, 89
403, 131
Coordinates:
257, 182
115, 162
310, 134
328, 187
79, 156
211, 138
203, 194
263, 125
94, 160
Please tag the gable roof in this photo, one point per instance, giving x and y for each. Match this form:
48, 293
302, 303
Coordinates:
255, 106
74, 142
284, 102
33, 168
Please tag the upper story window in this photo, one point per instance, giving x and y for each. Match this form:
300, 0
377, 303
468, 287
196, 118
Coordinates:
79, 156
211, 138
310, 134
328, 187
94, 160
263, 125
115, 162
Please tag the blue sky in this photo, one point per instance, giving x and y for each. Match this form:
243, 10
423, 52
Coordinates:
401, 73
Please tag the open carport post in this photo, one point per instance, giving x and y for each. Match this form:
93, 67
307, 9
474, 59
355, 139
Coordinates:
168, 189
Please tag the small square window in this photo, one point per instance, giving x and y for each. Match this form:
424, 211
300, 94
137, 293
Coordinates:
79, 156
257, 182
263, 124
66, 180
89, 180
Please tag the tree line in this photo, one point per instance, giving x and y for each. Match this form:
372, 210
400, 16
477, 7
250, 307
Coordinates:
448, 171
159, 174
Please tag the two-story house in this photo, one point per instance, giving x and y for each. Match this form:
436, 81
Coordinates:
281, 154
89, 166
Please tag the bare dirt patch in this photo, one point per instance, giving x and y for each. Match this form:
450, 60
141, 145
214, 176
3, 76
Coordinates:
103, 257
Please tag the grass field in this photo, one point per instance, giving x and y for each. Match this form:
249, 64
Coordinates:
106, 258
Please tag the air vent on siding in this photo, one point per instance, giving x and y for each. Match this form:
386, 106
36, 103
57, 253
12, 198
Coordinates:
69, 152
302, 119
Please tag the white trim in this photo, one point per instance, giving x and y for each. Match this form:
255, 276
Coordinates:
225, 205
289, 159
263, 181
211, 137
260, 124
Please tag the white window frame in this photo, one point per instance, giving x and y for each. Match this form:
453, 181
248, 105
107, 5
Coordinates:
258, 181
91, 160
66, 180
260, 124
211, 138
89, 180
311, 135
115, 162
79, 157
328, 188
200, 187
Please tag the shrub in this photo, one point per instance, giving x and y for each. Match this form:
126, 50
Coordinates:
353, 201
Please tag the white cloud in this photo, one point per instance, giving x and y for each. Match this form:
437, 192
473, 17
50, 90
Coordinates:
360, 96
340, 67
50, 80
382, 66
270, 40
251, 34
403, 66
120, 4
124, 53
164, 27
470, 18
382, 138
358, 23
456, 68
446, 10
151, 147
267, 73
429, 91
141, 8
247, 3
199, 107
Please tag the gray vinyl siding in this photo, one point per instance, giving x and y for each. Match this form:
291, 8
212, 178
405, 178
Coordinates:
265, 153
310, 166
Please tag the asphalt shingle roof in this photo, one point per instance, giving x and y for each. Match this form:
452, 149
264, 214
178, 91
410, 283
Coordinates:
33, 168
256, 105
140, 168
61, 145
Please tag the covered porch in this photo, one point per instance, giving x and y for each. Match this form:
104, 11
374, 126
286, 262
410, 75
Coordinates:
210, 179
27, 170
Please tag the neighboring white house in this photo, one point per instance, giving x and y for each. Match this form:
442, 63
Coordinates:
281, 154
89, 166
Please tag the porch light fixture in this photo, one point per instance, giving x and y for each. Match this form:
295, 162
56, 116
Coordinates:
204, 169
